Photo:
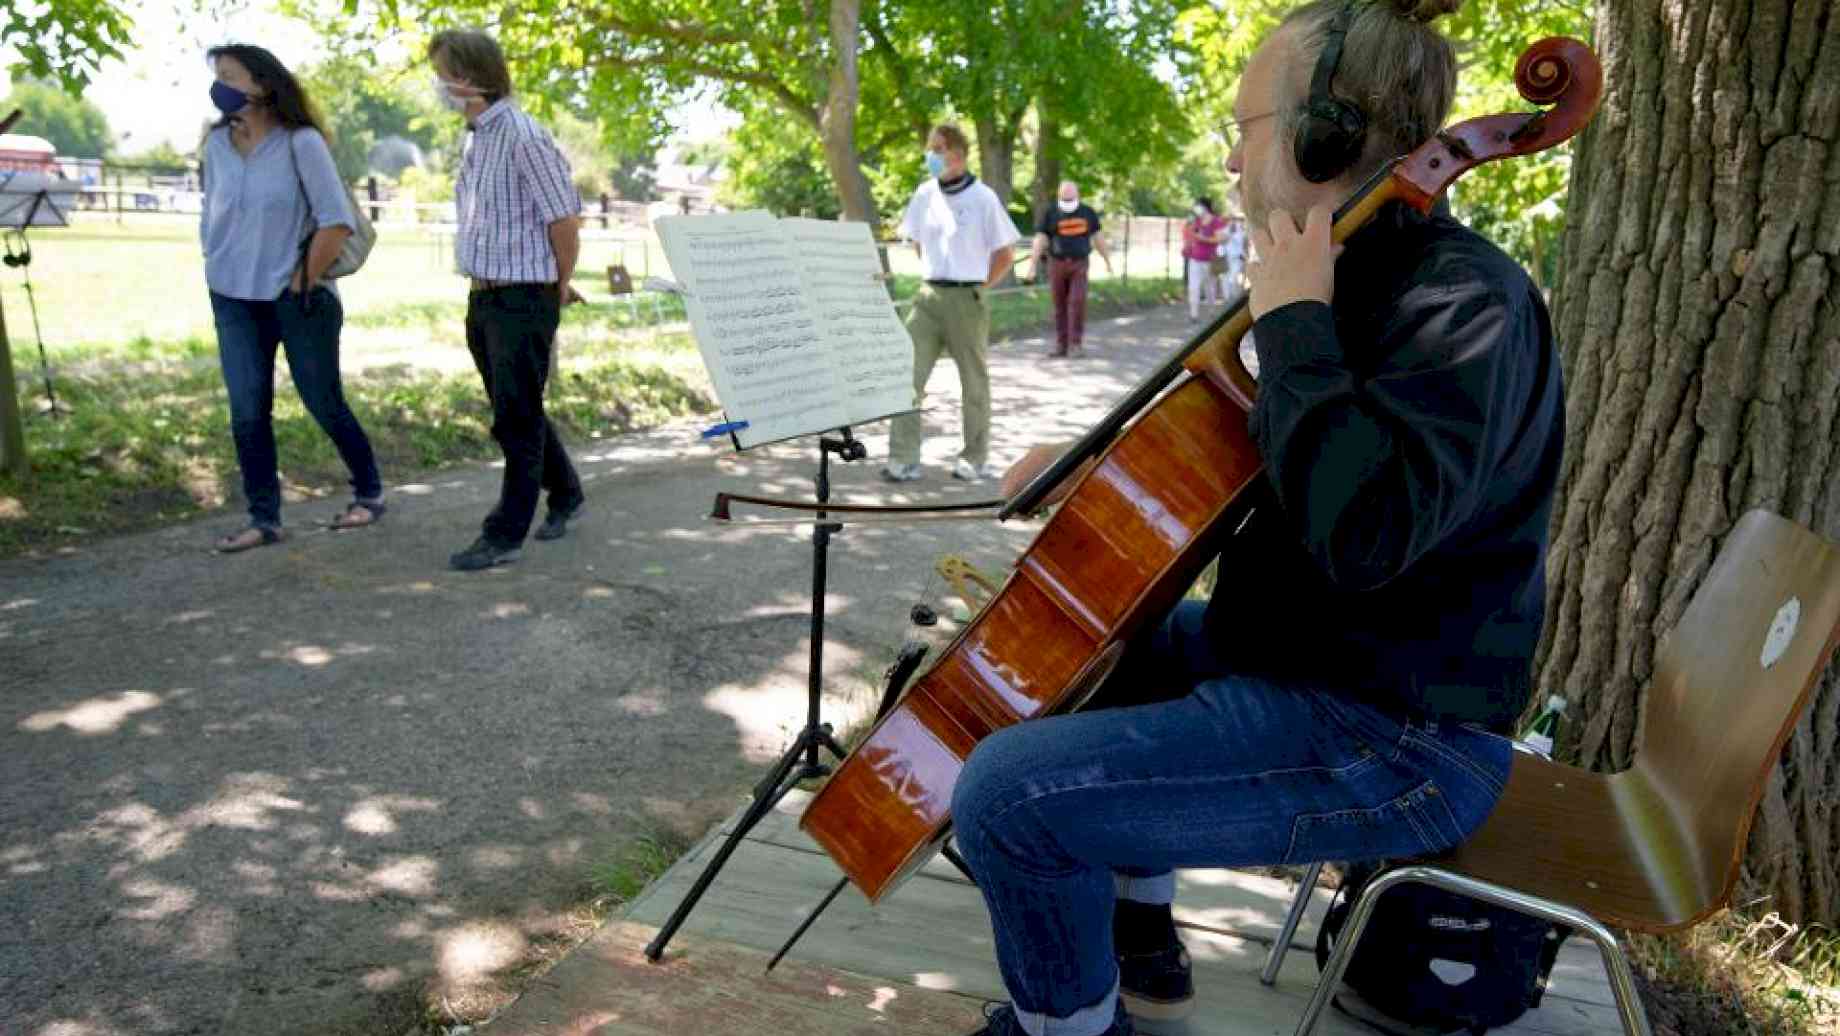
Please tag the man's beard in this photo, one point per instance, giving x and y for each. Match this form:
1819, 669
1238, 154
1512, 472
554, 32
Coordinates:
1258, 212
1263, 195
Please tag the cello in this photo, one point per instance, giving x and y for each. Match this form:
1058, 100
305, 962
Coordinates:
1168, 475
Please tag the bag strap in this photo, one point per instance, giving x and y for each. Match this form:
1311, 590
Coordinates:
1332, 918
1549, 956
1335, 918
306, 243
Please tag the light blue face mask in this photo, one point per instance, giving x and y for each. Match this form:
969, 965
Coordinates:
935, 163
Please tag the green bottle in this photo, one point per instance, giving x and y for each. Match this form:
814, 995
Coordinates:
1545, 730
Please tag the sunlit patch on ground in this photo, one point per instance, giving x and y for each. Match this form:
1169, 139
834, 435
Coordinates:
103, 715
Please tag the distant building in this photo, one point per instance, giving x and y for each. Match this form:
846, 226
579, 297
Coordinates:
687, 188
23, 153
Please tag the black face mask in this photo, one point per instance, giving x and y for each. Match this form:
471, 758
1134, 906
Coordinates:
228, 99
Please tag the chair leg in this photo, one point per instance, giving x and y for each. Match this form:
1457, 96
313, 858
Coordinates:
1275, 959
1345, 943
1622, 982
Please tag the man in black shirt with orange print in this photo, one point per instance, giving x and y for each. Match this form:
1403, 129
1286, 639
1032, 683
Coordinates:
1068, 233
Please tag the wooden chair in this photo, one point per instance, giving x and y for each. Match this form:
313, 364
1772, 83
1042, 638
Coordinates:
1655, 848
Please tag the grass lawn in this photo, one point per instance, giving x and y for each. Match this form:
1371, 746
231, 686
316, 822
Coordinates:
124, 291
127, 326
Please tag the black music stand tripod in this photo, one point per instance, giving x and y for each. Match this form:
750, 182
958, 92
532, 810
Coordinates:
801, 761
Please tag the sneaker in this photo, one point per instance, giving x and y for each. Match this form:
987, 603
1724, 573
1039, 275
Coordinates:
900, 472
965, 471
556, 523
1000, 1020
1159, 985
482, 554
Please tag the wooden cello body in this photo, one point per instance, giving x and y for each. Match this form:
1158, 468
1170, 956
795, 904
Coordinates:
1173, 464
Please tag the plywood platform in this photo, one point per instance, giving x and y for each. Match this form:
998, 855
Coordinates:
921, 963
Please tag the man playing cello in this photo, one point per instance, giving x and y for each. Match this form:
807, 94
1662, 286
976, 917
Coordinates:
1346, 693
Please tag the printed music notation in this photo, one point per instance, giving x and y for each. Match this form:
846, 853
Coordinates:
792, 319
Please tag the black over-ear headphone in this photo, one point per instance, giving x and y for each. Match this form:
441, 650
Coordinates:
1330, 131
18, 249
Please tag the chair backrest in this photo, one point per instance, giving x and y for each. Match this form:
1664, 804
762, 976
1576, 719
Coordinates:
1731, 681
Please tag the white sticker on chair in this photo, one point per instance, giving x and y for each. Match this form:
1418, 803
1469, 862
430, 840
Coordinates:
1782, 631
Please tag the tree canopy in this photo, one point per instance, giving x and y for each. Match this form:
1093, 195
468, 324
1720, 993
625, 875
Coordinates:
1090, 82
364, 103
74, 126
65, 40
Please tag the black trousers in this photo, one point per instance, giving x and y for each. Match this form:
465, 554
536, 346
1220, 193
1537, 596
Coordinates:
511, 332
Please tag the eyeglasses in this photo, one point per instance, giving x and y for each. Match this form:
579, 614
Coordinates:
1231, 129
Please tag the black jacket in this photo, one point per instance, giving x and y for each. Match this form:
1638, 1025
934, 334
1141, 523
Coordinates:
1411, 436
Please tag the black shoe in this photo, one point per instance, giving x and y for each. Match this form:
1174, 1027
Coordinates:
483, 554
556, 523
1155, 977
1000, 1020
1160, 985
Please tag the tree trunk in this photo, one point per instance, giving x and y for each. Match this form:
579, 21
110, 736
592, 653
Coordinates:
997, 157
839, 119
12, 429
1698, 313
1047, 161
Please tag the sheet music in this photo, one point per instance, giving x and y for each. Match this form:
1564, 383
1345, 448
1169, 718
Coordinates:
756, 328
869, 344
792, 321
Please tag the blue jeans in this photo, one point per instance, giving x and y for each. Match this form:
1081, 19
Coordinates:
247, 333
1236, 772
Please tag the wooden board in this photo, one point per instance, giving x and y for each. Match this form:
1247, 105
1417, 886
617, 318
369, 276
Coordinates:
934, 934
1233, 903
709, 988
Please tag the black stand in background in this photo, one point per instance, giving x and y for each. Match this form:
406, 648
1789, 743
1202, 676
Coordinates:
801, 761
19, 256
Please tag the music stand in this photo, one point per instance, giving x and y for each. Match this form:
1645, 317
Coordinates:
33, 200
769, 303
801, 761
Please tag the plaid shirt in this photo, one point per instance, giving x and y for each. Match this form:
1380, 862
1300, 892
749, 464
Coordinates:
513, 184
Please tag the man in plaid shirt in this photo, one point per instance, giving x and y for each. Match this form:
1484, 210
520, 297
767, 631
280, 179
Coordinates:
518, 238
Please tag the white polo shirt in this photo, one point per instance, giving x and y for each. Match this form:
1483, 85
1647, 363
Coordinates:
957, 232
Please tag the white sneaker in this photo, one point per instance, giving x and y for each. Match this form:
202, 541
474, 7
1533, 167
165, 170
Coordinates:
964, 471
900, 472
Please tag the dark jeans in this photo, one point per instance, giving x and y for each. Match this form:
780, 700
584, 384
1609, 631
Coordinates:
247, 333
1235, 772
1067, 280
511, 332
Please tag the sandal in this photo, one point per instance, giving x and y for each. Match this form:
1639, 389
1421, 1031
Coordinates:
357, 515
240, 541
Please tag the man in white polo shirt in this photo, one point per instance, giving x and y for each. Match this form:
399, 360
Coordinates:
963, 236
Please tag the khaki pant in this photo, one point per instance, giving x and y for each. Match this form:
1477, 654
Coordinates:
956, 321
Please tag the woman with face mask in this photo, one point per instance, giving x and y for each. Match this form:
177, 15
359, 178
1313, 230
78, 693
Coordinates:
1200, 247
275, 216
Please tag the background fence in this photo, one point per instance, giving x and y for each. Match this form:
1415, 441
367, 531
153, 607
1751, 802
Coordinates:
1141, 246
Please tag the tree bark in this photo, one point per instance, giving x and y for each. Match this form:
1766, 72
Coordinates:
1698, 315
997, 157
839, 118
1047, 160
12, 429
